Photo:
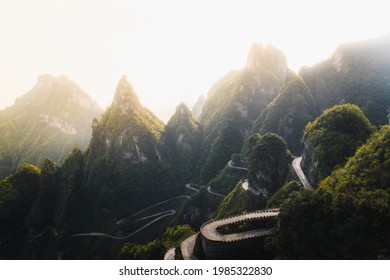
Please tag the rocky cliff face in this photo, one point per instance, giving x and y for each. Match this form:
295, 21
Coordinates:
127, 167
269, 162
309, 163
127, 131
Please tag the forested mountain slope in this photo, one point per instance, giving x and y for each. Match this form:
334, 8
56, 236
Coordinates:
46, 122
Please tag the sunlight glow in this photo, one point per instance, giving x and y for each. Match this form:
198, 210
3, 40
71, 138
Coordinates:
171, 50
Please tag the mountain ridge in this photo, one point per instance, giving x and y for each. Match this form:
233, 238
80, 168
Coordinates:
134, 164
47, 121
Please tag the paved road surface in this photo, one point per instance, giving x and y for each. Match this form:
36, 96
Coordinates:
209, 230
101, 234
156, 204
187, 248
199, 187
214, 193
297, 167
158, 216
170, 254
196, 187
230, 164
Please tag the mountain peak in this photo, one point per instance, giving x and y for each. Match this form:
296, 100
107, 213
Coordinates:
55, 94
46, 79
182, 115
269, 57
125, 97
124, 83
49, 79
182, 109
256, 57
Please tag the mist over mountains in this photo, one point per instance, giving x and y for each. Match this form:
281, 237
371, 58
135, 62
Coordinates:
83, 183
46, 122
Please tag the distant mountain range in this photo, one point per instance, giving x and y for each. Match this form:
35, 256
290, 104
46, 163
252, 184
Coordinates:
80, 183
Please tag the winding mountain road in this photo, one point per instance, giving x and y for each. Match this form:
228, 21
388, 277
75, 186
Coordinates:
158, 216
187, 248
214, 193
230, 164
155, 215
101, 234
196, 189
154, 205
297, 167
199, 187
210, 232
209, 229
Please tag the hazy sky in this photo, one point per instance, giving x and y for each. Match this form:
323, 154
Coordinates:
171, 50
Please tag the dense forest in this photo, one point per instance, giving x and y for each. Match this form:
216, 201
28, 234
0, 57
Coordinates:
76, 183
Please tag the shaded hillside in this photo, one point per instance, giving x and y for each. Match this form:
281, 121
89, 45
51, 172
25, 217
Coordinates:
348, 216
126, 168
235, 102
288, 114
123, 171
182, 139
269, 163
136, 177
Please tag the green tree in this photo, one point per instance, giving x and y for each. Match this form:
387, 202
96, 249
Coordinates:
154, 250
332, 138
173, 236
17, 194
347, 217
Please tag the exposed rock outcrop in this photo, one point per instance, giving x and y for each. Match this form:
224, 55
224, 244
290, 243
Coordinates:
309, 163
127, 130
269, 162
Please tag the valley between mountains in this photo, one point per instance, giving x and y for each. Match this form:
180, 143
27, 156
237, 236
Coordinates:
272, 164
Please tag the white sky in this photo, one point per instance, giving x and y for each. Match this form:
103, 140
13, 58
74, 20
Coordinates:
171, 50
